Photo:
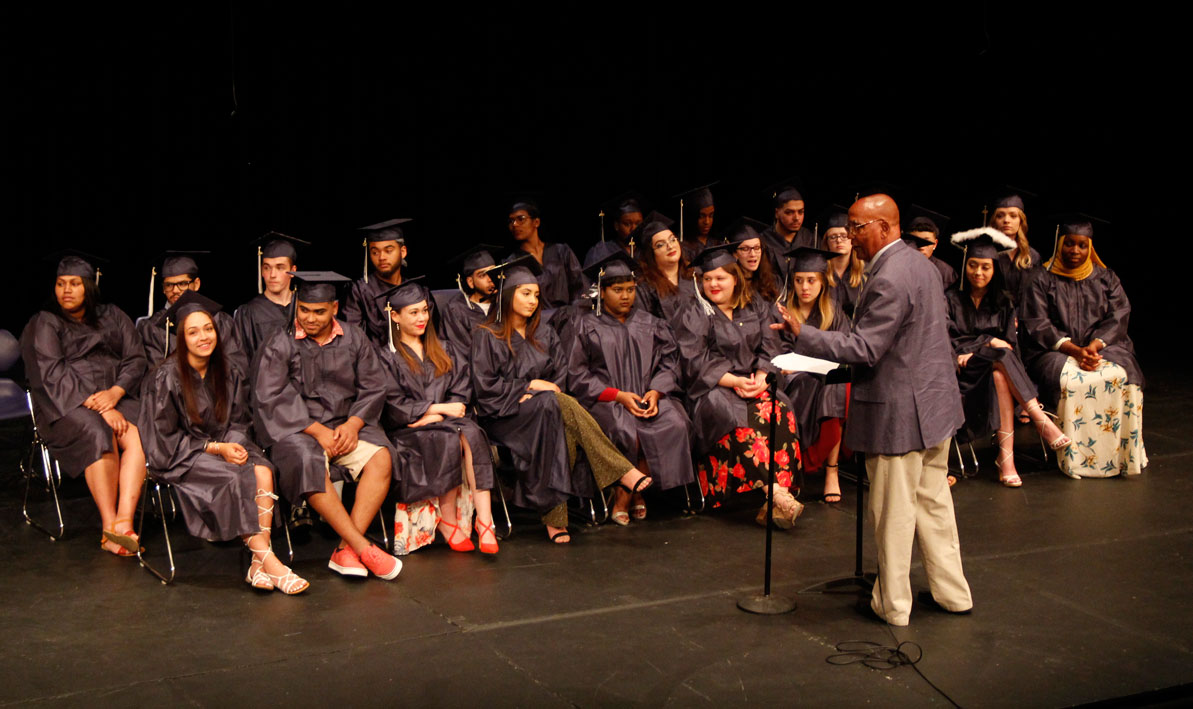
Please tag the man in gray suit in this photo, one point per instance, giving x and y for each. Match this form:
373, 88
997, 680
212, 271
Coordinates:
903, 409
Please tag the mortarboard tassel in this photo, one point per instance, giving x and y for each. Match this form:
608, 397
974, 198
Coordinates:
152, 278
681, 218
168, 323
708, 309
260, 287
467, 300
390, 319
365, 244
601, 215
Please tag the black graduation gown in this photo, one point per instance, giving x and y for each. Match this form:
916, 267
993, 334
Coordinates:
363, 308
217, 498
430, 458
665, 307
948, 274
711, 345
971, 330
561, 281
635, 356
532, 430
1054, 307
692, 247
459, 316
299, 383
153, 336
66, 362
1017, 279
777, 246
257, 320
811, 399
846, 294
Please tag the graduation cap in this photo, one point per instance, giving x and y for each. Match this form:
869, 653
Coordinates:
189, 302
653, 224
696, 198
743, 229
519, 271
628, 202
808, 260
1009, 196
616, 265
318, 286
915, 241
710, 259
275, 244
72, 262
406, 293
389, 230
835, 217
174, 263
785, 191
983, 242
474, 259
926, 220
600, 252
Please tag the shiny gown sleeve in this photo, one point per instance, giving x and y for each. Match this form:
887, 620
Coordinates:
664, 370
169, 443
703, 366
131, 371
46, 367
494, 382
278, 406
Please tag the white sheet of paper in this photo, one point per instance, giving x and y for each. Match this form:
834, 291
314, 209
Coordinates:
792, 362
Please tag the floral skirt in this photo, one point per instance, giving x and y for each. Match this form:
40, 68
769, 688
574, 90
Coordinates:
1103, 414
415, 523
738, 462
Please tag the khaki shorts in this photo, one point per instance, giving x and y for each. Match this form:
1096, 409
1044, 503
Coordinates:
355, 459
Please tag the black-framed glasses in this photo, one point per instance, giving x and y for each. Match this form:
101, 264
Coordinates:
177, 285
750, 249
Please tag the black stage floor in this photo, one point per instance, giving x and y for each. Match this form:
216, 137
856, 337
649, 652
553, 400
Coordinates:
1077, 585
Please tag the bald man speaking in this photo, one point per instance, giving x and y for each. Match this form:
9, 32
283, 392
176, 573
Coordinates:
904, 407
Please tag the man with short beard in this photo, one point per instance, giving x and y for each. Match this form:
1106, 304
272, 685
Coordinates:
470, 307
788, 232
386, 248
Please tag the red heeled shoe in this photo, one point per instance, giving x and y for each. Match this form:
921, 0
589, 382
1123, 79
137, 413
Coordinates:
481, 528
465, 545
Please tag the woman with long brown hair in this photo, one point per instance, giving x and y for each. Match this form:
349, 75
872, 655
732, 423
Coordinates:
1018, 264
666, 285
517, 370
844, 274
198, 437
442, 451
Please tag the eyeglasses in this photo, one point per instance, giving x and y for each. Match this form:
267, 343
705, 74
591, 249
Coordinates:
838, 237
750, 249
855, 228
665, 243
520, 219
177, 285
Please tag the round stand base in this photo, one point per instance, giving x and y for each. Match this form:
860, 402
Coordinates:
766, 605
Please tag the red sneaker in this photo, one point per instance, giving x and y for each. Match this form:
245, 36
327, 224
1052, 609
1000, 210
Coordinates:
346, 563
382, 565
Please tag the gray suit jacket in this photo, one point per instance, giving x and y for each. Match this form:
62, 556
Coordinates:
904, 395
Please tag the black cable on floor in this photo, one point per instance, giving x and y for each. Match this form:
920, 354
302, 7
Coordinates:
884, 657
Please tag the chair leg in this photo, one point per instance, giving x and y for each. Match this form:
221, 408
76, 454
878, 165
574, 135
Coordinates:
960, 458
157, 491
974, 454
688, 498
53, 476
385, 540
509, 522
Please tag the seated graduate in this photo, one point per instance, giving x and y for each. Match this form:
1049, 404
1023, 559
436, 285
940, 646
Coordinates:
1073, 325
385, 251
317, 400
755, 262
1023, 262
440, 448
516, 379
788, 231
624, 368
926, 225
620, 218
560, 280
725, 350
666, 286
85, 363
990, 373
180, 274
197, 430
819, 407
697, 212
460, 315
924, 246
845, 274
273, 307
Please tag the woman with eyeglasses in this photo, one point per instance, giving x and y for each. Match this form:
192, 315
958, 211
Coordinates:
561, 279
844, 274
666, 286
755, 263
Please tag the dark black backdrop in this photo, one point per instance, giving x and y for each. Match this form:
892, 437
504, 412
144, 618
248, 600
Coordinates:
135, 130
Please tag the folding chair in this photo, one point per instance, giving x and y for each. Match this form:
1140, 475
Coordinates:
41, 466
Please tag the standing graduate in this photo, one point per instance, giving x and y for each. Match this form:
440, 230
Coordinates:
197, 430
273, 307
990, 373
385, 251
517, 370
462, 312
787, 232
317, 400
439, 447
624, 368
697, 212
726, 348
666, 286
85, 364
560, 279
180, 274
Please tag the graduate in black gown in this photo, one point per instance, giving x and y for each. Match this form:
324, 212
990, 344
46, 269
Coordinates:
317, 400
666, 286
180, 274
197, 430
757, 263
385, 251
819, 407
788, 231
273, 307
846, 273
85, 364
726, 347
517, 370
462, 312
990, 373
560, 279
440, 448
620, 218
697, 213
1020, 265
624, 368
927, 226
